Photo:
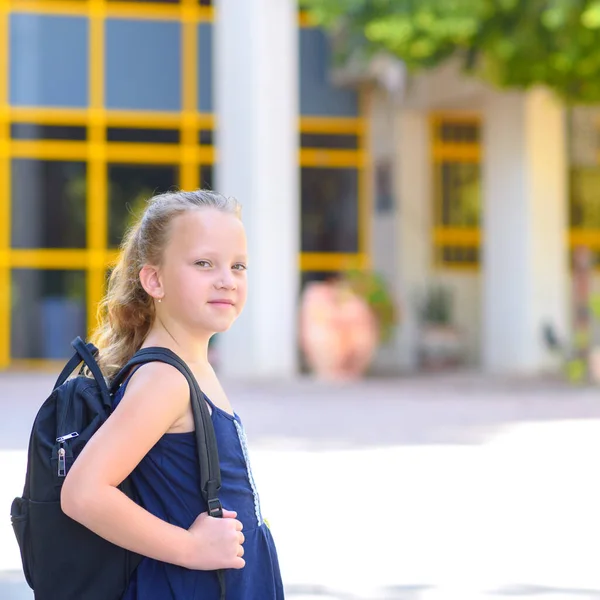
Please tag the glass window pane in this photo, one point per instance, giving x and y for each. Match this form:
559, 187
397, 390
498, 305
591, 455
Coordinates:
206, 177
48, 204
33, 131
143, 135
204, 57
594, 258
459, 132
49, 56
329, 210
345, 141
460, 188
319, 96
130, 187
142, 64
463, 255
307, 277
585, 197
206, 137
48, 312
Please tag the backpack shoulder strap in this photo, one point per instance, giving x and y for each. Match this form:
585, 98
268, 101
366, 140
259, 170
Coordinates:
210, 472
85, 353
206, 441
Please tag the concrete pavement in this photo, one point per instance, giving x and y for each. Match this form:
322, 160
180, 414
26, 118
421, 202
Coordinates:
452, 487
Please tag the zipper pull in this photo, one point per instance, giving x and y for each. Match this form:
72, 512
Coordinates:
69, 436
62, 463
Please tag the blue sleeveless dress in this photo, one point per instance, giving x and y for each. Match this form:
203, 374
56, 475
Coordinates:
167, 482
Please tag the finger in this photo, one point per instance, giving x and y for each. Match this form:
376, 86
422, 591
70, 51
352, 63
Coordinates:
240, 551
238, 526
241, 537
238, 563
229, 514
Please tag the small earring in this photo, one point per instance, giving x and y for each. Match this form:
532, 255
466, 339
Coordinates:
160, 299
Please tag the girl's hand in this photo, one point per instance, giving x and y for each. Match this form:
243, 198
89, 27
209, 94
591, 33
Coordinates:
216, 543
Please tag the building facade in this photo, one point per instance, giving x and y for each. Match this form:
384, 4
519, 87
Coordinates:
494, 192
432, 178
103, 103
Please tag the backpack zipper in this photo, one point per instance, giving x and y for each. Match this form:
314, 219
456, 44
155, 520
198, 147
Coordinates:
62, 463
69, 436
62, 459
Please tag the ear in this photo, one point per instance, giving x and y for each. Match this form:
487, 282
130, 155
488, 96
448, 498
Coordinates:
150, 280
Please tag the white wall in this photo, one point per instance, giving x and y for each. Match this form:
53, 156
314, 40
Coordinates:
413, 189
383, 236
401, 238
407, 228
446, 89
467, 309
525, 276
256, 105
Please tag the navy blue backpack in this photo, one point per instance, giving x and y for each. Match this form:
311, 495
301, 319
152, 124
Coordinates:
61, 558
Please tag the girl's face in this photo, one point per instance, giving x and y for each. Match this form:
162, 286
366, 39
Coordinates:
203, 273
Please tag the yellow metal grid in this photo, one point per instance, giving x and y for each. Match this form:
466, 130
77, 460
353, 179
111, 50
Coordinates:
586, 236
189, 178
97, 152
444, 237
358, 159
183, 12
96, 192
366, 192
5, 216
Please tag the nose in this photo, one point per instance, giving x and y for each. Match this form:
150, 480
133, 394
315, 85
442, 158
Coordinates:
225, 281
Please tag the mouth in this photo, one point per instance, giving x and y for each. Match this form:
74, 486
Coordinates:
222, 302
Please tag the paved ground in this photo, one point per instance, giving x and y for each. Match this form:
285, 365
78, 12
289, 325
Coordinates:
453, 488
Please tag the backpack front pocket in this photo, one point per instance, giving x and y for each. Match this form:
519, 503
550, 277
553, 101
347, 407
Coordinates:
19, 516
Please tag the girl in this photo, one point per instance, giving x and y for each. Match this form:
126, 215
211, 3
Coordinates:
180, 279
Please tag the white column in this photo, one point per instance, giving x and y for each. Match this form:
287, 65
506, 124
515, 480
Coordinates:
256, 107
525, 259
413, 187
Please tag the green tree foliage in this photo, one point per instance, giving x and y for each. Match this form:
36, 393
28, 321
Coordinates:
511, 43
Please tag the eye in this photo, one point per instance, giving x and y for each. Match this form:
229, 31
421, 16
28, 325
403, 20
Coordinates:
239, 267
202, 263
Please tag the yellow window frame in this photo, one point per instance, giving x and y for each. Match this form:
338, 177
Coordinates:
360, 159
443, 236
97, 152
5, 191
585, 236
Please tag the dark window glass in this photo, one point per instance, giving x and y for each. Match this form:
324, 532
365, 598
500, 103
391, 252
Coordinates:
153, 136
458, 255
206, 177
459, 133
329, 210
585, 197
584, 206
48, 204
594, 258
309, 276
205, 137
33, 131
329, 140
459, 187
48, 312
130, 186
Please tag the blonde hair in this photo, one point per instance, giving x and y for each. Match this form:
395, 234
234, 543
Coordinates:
127, 311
